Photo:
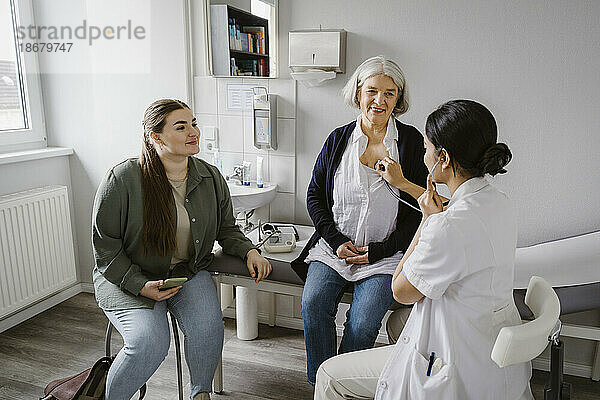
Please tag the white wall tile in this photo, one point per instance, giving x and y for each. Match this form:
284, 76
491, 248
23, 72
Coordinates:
257, 82
231, 133
222, 96
283, 172
286, 137
205, 156
282, 208
285, 89
204, 120
205, 94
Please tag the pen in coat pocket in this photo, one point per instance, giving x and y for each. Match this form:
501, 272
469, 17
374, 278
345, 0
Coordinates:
431, 358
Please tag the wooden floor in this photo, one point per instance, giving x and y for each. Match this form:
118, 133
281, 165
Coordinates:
70, 337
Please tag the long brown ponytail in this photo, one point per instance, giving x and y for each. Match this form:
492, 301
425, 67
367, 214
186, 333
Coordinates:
159, 228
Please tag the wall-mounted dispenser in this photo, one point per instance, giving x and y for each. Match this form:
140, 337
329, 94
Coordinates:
317, 55
264, 119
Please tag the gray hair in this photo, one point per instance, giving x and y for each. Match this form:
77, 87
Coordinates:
378, 65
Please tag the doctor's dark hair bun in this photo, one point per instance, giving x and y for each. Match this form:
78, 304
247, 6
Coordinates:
495, 159
467, 130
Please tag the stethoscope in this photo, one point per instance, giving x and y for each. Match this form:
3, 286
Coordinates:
381, 167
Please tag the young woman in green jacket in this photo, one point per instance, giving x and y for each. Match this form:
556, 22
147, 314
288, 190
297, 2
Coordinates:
154, 218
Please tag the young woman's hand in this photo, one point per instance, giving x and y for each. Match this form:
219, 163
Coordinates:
258, 266
150, 290
393, 173
363, 258
430, 201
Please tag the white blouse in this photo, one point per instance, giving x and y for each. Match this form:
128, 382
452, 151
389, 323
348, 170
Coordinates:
363, 208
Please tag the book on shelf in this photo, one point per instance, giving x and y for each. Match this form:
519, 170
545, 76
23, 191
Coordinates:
250, 67
244, 38
258, 33
235, 35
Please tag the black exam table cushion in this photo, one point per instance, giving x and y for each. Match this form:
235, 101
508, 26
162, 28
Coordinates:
573, 299
282, 271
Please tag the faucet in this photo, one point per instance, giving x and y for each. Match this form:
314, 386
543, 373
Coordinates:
238, 174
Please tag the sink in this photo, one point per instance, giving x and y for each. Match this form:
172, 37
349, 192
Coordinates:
246, 198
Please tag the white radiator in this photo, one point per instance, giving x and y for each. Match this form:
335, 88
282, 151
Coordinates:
37, 257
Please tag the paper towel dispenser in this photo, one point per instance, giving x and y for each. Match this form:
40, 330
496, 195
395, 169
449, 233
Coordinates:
323, 50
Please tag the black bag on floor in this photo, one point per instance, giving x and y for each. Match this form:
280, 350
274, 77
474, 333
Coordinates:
87, 385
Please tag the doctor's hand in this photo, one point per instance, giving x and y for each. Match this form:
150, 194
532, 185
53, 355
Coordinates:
393, 173
430, 201
258, 266
363, 258
150, 290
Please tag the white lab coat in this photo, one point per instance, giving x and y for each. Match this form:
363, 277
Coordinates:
464, 266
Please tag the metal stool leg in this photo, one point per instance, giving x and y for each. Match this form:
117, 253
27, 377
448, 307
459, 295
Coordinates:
109, 329
218, 377
556, 388
178, 351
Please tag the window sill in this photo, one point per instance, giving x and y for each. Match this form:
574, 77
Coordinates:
28, 155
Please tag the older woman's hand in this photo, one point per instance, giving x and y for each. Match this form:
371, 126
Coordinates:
258, 266
346, 250
393, 173
363, 258
430, 201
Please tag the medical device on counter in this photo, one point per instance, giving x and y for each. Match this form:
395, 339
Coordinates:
277, 238
264, 119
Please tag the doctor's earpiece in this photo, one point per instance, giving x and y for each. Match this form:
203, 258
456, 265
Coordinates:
442, 159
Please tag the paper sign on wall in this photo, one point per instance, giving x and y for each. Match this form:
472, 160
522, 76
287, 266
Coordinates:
240, 97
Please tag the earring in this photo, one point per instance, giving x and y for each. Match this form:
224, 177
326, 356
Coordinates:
161, 146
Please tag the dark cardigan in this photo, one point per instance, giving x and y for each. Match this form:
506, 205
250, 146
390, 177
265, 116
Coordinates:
319, 197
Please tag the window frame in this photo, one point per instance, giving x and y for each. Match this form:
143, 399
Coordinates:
34, 136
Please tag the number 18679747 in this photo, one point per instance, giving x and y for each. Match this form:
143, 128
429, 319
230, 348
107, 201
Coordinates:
47, 47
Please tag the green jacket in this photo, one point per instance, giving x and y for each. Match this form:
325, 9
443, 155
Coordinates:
120, 268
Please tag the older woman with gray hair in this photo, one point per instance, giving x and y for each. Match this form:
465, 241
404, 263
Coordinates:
362, 229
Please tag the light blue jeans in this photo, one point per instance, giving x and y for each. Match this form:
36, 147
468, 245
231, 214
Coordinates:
322, 293
147, 338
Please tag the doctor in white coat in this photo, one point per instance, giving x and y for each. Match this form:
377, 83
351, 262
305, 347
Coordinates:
458, 272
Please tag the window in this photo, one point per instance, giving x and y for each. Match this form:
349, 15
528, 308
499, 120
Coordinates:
13, 115
21, 112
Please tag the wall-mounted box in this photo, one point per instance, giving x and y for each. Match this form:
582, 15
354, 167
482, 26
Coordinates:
318, 49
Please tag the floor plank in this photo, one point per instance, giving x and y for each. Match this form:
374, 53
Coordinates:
70, 337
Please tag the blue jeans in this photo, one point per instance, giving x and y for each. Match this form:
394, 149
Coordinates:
322, 293
147, 338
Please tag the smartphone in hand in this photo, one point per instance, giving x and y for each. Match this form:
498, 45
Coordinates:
171, 283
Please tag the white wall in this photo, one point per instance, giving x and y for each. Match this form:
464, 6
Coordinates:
533, 63
98, 114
